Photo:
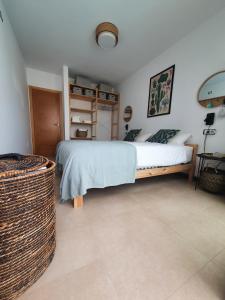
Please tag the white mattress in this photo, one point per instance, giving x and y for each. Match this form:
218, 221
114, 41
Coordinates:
160, 155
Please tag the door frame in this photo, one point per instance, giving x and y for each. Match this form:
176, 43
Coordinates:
61, 119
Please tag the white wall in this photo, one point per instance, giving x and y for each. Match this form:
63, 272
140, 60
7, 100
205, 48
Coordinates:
14, 115
196, 57
44, 79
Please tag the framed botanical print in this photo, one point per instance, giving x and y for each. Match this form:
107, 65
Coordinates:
160, 93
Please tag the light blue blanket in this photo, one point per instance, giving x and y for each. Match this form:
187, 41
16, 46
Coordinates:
94, 164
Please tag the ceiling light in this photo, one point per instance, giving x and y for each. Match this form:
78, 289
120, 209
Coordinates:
107, 35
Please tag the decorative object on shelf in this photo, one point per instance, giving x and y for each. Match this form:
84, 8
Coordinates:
160, 93
212, 92
75, 119
82, 133
107, 35
127, 114
27, 221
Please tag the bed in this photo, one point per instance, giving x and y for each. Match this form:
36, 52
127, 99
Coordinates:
95, 164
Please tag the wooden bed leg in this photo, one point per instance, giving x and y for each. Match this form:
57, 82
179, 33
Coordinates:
78, 201
191, 174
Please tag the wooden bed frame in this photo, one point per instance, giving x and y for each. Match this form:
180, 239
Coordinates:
188, 168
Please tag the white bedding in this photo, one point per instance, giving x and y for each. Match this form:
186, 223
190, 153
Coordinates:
160, 155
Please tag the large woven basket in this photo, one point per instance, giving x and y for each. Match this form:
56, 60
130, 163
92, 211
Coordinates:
213, 180
27, 222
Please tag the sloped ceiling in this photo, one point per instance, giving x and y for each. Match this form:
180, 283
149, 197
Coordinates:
56, 32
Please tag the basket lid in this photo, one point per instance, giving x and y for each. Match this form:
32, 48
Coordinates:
14, 164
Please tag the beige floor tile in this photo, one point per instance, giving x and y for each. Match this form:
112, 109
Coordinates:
216, 208
138, 273
118, 231
208, 284
75, 248
87, 283
220, 259
146, 254
203, 232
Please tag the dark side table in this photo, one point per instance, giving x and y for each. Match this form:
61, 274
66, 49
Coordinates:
203, 158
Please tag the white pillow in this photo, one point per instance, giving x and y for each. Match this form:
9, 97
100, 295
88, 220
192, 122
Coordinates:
143, 137
179, 139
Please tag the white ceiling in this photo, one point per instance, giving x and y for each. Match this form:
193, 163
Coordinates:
56, 32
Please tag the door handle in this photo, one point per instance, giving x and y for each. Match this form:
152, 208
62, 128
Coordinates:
56, 124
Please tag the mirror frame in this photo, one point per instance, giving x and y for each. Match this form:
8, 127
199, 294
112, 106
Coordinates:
217, 102
131, 113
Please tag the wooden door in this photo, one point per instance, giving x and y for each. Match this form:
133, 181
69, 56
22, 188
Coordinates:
46, 123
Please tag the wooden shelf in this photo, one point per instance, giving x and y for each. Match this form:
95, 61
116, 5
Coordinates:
82, 97
81, 138
106, 102
82, 86
112, 93
83, 123
86, 111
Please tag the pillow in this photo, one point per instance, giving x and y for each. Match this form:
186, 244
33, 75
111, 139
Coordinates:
179, 139
131, 135
163, 136
143, 137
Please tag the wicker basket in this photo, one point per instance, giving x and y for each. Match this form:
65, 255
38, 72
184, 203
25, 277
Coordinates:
213, 180
27, 222
81, 133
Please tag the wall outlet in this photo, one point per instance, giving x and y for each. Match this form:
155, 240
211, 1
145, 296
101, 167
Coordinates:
209, 131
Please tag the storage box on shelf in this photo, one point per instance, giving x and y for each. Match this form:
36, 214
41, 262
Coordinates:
109, 97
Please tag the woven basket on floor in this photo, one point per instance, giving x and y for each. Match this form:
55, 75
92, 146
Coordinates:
213, 180
27, 222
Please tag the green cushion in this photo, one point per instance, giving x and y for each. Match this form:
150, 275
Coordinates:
163, 136
131, 135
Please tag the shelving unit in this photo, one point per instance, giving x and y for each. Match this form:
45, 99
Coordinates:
94, 103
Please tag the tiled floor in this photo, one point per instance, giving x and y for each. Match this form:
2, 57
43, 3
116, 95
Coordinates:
156, 239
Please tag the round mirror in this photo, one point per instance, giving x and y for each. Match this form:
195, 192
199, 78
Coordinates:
212, 91
127, 114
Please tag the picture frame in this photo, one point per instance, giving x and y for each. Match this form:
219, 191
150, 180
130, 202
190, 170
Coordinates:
160, 93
